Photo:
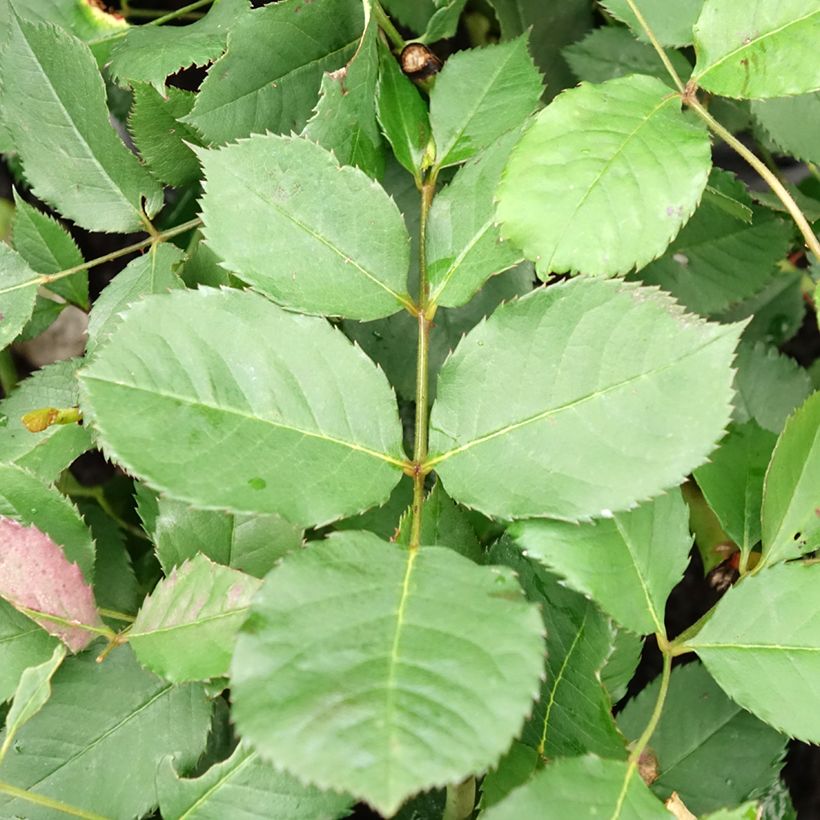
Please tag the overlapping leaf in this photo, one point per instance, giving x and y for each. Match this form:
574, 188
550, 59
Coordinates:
37, 579
270, 76
604, 362
402, 114
148, 54
758, 49
49, 248
232, 402
24, 644
250, 543
671, 23
717, 259
754, 654
628, 562
154, 272
186, 628
463, 246
793, 123
243, 784
18, 290
791, 495
709, 750
606, 53
31, 695
59, 108
578, 786
27, 499
50, 451
574, 714
315, 237
424, 675
584, 190
479, 95
732, 481
345, 118
160, 136
73, 749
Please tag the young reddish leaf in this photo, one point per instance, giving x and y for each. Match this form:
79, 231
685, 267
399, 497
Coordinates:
36, 577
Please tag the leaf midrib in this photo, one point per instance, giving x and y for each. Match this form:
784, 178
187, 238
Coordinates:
195, 402
544, 414
218, 785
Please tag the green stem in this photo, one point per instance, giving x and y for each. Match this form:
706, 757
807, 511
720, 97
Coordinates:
154, 13
386, 25
36, 615
642, 742
657, 46
166, 18
460, 800
428, 190
42, 800
161, 236
115, 615
771, 179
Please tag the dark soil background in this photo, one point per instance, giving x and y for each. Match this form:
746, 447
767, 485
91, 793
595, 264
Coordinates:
690, 599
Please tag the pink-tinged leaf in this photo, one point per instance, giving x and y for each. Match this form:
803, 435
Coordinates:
36, 578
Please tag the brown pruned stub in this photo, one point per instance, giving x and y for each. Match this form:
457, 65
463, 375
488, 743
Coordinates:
418, 62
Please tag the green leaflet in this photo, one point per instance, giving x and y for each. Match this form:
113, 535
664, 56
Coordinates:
671, 23
18, 290
345, 118
186, 628
148, 54
234, 403
621, 664
790, 518
463, 246
33, 692
479, 95
381, 672
583, 191
607, 363
60, 110
153, 272
551, 27
606, 53
793, 123
24, 644
269, 78
514, 769
709, 750
50, 451
752, 653
25, 498
243, 784
98, 741
581, 786
628, 562
574, 714
759, 49
251, 543
160, 137
313, 236
732, 481
402, 114
48, 248
718, 260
